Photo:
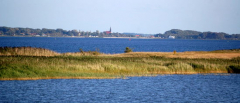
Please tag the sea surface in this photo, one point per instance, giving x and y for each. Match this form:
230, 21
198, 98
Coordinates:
198, 88
209, 88
112, 46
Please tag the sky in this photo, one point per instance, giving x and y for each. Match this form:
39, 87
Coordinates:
135, 16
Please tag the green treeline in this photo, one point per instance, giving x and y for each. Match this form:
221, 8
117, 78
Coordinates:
179, 34
190, 34
8, 31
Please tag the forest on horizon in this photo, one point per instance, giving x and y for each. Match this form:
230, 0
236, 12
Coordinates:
179, 34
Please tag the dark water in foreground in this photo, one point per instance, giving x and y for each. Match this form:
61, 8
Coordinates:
167, 88
105, 45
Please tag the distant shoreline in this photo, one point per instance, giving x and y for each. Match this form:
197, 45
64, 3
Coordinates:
112, 37
85, 37
173, 33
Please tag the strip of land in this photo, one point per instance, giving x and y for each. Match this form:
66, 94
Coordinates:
26, 63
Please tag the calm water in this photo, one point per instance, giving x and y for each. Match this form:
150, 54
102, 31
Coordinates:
168, 88
105, 45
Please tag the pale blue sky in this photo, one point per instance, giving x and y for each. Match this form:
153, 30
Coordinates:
139, 16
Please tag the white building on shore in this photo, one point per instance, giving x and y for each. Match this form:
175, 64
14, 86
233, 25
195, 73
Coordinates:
171, 37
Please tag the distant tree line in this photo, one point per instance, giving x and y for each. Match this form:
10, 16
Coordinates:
179, 34
8, 31
190, 34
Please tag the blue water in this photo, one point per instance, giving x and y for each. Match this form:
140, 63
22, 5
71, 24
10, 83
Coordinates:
166, 88
106, 45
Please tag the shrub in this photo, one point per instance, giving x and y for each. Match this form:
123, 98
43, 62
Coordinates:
90, 52
234, 69
174, 52
128, 50
81, 50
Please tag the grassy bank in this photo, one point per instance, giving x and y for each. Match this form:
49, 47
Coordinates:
87, 65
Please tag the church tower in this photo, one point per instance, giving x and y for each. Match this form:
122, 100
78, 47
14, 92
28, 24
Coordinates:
108, 32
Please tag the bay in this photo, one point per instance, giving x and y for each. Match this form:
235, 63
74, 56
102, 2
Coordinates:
163, 88
117, 45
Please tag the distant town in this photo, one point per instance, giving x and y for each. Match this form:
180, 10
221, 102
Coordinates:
171, 34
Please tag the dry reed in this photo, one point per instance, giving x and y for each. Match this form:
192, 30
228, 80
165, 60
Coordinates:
22, 63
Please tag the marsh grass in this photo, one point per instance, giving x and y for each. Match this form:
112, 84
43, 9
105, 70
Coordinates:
27, 51
226, 51
84, 53
25, 62
95, 66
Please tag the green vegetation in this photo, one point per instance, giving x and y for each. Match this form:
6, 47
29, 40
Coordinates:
90, 52
179, 34
234, 69
95, 66
128, 50
190, 34
8, 31
28, 51
17, 65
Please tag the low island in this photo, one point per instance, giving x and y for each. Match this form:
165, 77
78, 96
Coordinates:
28, 63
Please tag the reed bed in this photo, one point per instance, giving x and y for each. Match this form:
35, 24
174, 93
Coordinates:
26, 51
41, 65
190, 55
109, 67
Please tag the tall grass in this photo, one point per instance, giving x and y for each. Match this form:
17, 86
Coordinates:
105, 66
27, 51
27, 62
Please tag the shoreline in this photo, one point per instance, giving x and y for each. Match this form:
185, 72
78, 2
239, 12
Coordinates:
116, 37
124, 77
44, 78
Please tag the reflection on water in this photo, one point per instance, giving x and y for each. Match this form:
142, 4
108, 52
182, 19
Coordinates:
166, 88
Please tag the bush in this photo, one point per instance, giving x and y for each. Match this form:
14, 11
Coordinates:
234, 69
128, 50
90, 52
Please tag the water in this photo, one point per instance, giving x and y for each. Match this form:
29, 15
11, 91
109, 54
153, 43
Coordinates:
166, 88
112, 46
